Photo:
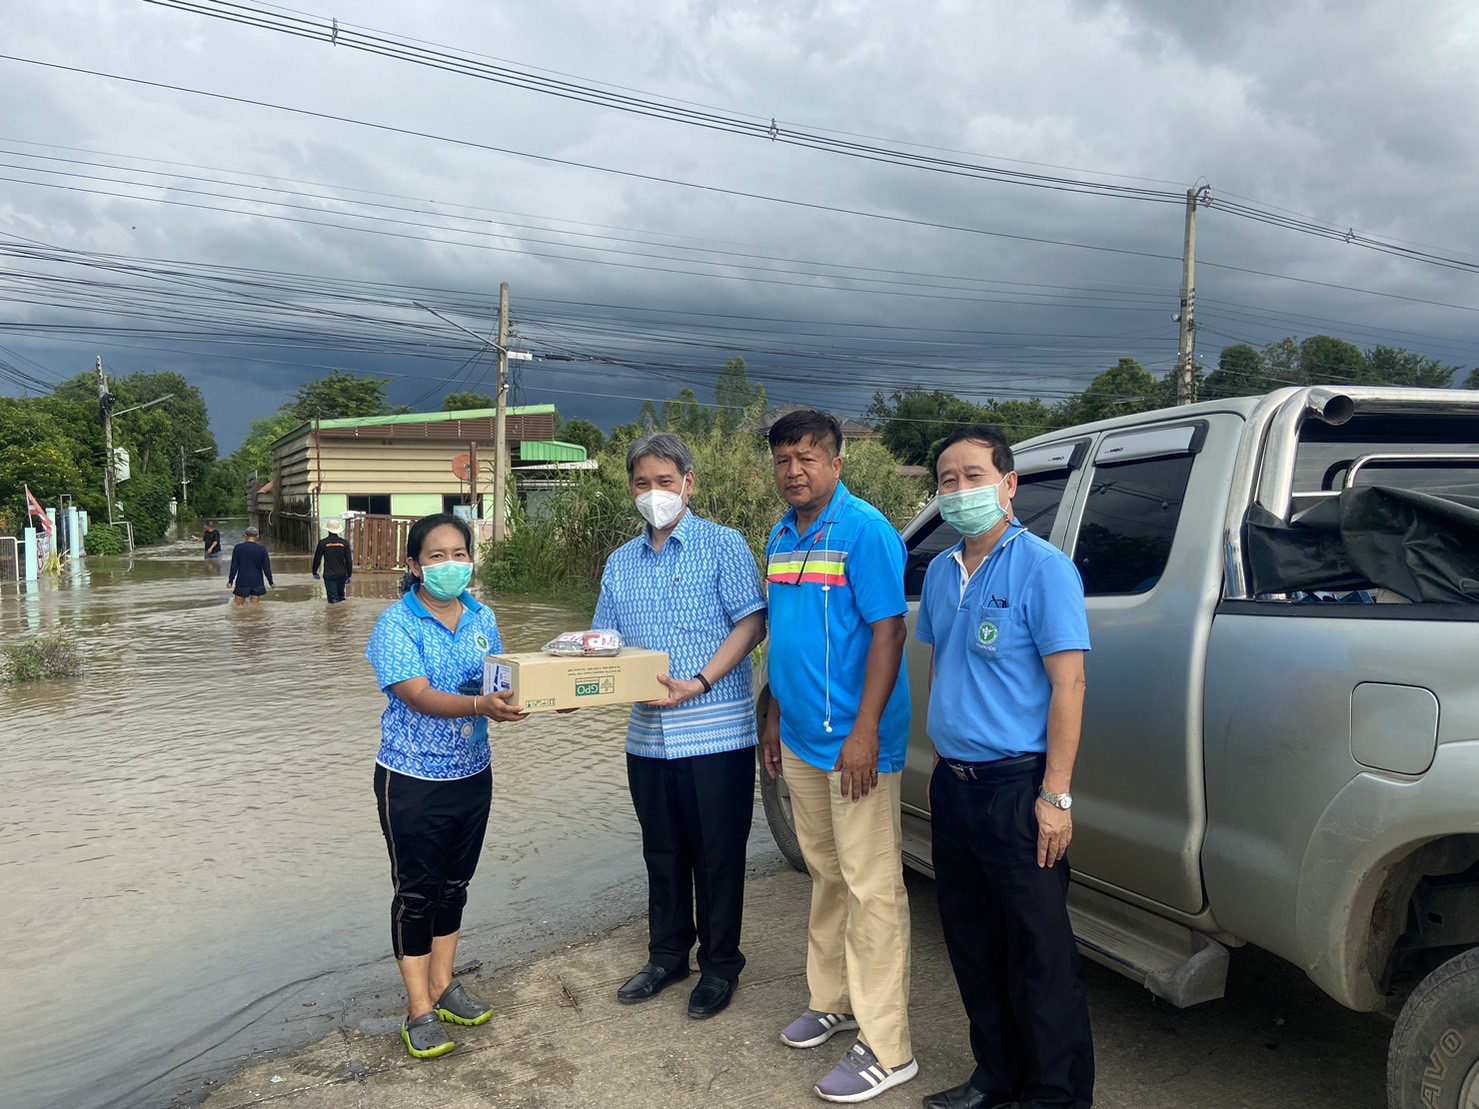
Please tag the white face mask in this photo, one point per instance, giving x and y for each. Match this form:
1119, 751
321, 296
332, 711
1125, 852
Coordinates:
660, 507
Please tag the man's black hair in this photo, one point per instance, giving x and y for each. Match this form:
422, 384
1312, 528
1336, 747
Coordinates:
988, 435
822, 429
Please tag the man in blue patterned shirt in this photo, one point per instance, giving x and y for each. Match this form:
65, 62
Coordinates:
688, 587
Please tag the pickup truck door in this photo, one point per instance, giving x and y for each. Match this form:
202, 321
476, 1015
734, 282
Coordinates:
1145, 535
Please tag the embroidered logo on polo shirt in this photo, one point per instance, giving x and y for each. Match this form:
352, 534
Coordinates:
482, 641
467, 729
987, 634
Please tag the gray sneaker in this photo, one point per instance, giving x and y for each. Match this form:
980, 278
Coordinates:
860, 1076
455, 1007
812, 1028
424, 1037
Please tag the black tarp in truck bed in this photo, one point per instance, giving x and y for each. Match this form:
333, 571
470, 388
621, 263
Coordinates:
1423, 546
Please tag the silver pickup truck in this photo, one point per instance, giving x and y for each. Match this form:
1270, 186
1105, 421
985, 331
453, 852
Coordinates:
1281, 734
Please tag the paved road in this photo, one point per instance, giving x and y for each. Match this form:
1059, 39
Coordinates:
561, 1040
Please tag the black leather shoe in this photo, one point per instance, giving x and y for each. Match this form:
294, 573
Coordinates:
648, 982
710, 997
964, 1096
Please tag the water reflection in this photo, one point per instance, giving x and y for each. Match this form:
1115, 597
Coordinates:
190, 862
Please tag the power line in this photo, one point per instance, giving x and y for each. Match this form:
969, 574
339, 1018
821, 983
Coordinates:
447, 59
630, 174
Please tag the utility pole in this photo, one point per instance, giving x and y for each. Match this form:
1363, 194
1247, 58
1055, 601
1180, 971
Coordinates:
472, 479
105, 413
1186, 356
500, 426
184, 491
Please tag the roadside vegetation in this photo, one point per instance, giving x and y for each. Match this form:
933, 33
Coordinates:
49, 655
105, 539
53, 444
560, 549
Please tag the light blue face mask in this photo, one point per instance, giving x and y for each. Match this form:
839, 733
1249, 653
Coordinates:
973, 512
447, 580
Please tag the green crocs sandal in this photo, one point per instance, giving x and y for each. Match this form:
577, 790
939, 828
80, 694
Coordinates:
424, 1037
455, 1007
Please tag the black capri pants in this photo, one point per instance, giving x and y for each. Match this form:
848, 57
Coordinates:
434, 832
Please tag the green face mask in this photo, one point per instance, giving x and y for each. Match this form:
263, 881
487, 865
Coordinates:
447, 580
973, 512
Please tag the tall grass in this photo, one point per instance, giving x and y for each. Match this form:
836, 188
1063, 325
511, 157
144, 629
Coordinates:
561, 554
49, 655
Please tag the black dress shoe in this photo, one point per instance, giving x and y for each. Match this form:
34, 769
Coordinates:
710, 997
648, 982
964, 1096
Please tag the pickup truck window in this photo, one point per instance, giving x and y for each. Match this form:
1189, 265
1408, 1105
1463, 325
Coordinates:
1327, 453
1129, 520
1383, 507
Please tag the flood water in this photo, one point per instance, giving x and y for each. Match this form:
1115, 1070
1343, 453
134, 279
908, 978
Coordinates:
191, 870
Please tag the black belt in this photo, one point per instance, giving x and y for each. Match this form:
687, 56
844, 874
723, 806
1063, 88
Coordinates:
998, 768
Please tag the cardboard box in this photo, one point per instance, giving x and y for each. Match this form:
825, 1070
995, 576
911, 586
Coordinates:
543, 683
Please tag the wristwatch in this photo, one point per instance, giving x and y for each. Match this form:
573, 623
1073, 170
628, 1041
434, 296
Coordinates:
1057, 800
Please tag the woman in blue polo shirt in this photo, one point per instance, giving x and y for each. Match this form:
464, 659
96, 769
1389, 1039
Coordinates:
433, 776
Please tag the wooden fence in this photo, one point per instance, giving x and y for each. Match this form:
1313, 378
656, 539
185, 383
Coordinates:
378, 542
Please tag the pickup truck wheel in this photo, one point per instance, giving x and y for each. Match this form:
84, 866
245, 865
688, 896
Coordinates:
1433, 1061
777, 801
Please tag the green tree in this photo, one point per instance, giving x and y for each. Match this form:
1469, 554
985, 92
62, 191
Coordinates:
1395, 366
583, 433
339, 396
254, 456
687, 417
1241, 372
1281, 363
1022, 419
36, 451
912, 421
1327, 361
1472, 381
463, 402
1125, 388
220, 490
157, 436
733, 395
146, 500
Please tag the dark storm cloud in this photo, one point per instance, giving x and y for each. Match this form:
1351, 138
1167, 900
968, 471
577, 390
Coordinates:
1352, 113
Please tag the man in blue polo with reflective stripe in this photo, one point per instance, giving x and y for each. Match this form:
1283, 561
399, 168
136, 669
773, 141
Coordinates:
1004, 612
688, 587
838, 729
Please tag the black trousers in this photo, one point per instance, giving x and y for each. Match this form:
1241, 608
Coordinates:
695, 816
1010, 941
334, 587
434, 833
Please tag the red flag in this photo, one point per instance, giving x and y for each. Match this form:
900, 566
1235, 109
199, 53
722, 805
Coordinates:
33, 508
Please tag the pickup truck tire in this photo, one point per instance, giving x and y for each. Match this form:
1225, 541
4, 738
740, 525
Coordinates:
1433, 1060
776, 799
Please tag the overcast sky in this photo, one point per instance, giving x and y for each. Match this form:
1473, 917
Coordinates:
647, 251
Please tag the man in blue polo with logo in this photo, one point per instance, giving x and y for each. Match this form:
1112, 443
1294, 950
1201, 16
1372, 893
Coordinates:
1004, 612
838, 729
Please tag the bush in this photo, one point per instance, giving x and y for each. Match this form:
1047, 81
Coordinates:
50, 655
563, 551
146, 506
105, 539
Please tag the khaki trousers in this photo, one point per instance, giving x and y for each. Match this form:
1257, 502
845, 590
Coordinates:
857, 958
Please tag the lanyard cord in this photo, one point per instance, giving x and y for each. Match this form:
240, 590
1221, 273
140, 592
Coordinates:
836, 508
